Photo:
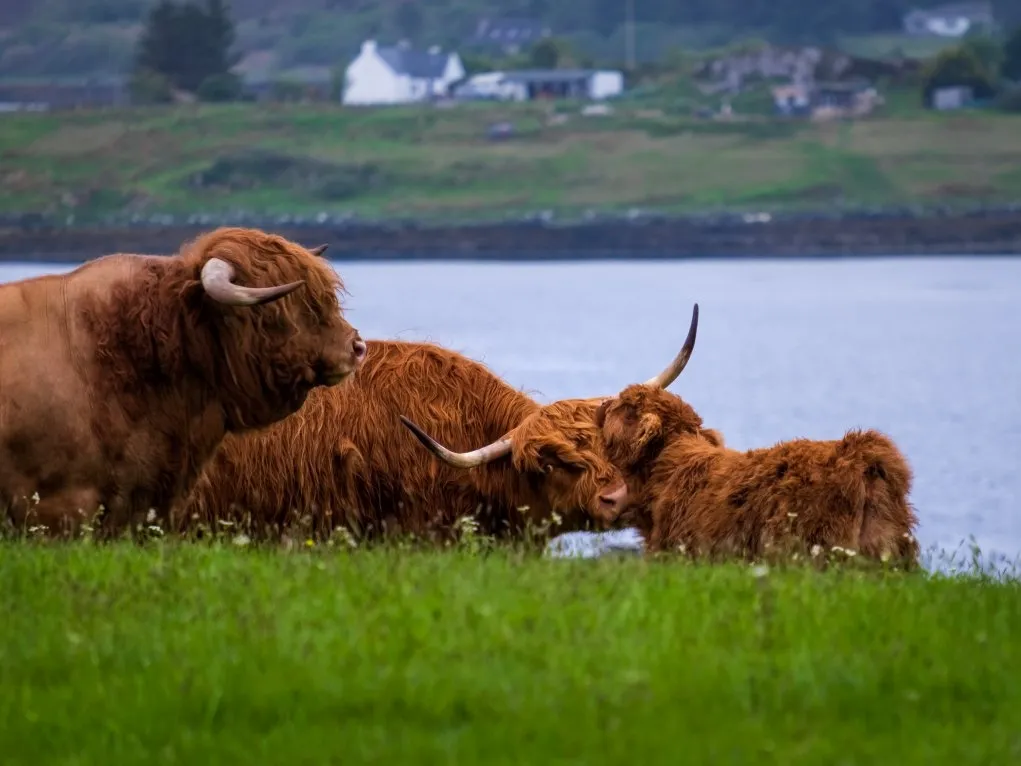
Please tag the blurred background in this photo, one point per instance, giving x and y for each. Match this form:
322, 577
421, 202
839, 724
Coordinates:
505, 108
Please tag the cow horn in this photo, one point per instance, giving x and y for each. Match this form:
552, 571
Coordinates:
476, 457
318, 249
669, 375
216, 281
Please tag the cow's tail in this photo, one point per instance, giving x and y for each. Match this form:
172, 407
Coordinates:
883, 482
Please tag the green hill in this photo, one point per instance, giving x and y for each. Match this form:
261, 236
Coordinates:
429, 163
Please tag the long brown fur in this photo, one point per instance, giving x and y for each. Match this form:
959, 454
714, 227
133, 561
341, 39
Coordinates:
120, 378
345, 459
714, 501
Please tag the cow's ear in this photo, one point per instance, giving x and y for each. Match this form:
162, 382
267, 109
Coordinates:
713, 436
650, 427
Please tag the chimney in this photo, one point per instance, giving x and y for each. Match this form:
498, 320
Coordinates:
369, 46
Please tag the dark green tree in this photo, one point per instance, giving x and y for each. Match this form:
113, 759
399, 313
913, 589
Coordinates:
188, 44
1010, 66
408, 18
954, 67
545, 54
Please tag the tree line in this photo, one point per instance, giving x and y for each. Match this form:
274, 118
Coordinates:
187, 46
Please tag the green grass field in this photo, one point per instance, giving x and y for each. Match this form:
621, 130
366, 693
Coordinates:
191, 654
439, 164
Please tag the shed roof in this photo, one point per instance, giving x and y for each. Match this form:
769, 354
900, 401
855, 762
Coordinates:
414, 63
548, 75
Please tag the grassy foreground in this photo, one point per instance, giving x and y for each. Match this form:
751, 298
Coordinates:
192, 654
438, 163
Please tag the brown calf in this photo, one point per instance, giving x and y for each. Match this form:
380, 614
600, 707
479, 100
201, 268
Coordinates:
696, 493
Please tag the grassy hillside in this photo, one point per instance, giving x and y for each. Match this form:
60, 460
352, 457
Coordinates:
178, 654
427, 163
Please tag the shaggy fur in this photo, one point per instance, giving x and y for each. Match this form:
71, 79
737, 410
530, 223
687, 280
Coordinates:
120, 378
346, 459
696, 493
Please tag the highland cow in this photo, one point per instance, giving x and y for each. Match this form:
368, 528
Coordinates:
120, 378
346, 460
693, 492
556, 446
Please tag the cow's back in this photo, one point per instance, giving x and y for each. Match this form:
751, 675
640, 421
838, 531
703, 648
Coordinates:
44, 424
53, 449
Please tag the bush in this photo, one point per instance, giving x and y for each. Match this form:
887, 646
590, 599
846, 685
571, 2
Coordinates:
149, 87
220, 87
1010, 99
254, 169
957, 67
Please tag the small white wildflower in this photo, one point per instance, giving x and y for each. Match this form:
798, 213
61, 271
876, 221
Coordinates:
760, 571
155, 529
150, 517
345, 536
523, 508
682, 548
241, 540
557, 519
885, 555
816, 550
792, 515
35, 498
225, 523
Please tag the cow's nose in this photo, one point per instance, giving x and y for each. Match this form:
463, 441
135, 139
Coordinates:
614, 499
359, 348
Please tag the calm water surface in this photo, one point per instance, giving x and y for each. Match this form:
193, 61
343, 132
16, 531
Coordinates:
926, 350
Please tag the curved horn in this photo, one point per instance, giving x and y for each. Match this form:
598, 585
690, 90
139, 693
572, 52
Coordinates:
216, 281
476, 457
669, 375
318, 249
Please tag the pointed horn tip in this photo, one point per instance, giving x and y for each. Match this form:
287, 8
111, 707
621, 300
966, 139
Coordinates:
670, 374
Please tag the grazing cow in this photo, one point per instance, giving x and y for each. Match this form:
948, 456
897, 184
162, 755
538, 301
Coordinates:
695, 492
120, 378
345, 459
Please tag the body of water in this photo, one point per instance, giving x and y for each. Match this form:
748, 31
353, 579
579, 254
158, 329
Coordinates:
926, 350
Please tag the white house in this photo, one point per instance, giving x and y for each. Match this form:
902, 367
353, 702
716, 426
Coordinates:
399, 74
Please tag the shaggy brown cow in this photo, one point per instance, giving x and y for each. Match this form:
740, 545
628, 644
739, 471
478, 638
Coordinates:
345, 459
560, 440
120, 378
696, 493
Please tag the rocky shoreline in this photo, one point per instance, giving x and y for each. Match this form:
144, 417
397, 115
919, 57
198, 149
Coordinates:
982, 231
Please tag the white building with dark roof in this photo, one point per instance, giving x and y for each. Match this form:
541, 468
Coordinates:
399, 75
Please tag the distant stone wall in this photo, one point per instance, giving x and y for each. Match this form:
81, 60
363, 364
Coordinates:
880, 233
